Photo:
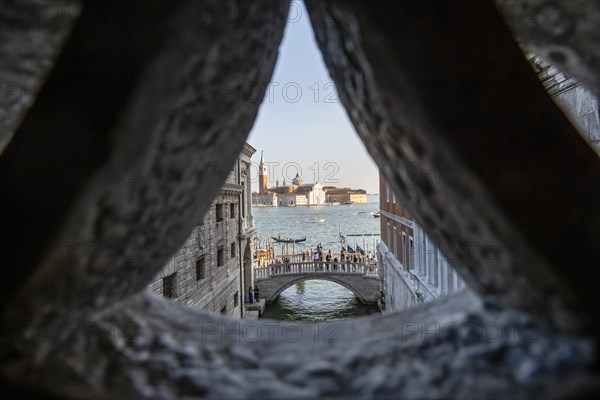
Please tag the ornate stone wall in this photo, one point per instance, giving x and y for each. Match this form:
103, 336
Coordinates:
563, 33
577, 102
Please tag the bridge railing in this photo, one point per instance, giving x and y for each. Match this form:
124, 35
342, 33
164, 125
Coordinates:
341, 268
309, 257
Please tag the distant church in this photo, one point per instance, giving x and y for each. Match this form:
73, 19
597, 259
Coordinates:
297, 193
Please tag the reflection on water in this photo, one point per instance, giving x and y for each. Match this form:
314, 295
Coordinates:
317, 300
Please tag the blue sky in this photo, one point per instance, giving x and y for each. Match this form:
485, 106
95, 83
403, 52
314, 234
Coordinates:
302, 125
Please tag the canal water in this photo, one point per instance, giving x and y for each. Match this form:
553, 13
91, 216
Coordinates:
318, 300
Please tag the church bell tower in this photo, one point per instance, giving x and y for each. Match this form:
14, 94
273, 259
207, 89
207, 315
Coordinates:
263, 176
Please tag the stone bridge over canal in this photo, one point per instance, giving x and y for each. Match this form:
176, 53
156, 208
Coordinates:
360, 278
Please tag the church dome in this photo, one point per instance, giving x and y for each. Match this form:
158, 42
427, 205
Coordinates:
297, 180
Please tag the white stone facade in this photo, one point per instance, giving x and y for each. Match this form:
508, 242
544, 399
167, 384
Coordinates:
430, 277
315, 194
269, 199
291, 200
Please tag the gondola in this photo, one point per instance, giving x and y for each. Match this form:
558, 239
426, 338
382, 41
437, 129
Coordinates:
288, 240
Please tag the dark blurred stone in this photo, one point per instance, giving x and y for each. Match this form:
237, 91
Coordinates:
126, 145
370, 358
32, 33
130, 138
564, 33
422, 97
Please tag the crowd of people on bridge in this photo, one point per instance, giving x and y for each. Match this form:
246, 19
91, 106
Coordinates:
327, 261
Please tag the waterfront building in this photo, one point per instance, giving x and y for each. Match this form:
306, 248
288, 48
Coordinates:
292, 199
213, 269
267, 199
412, 269
314, 193
346, 195
295, 193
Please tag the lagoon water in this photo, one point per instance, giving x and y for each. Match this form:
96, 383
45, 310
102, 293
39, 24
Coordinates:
317, 300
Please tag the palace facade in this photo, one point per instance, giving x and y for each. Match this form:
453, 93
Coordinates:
412, 269
213, 269
346, 196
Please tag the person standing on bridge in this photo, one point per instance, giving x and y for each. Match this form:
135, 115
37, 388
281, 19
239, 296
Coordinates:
250, 296
256, 293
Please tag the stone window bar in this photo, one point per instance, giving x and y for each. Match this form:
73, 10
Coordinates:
442, 83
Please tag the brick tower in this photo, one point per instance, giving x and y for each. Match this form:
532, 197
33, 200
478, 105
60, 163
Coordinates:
263, 176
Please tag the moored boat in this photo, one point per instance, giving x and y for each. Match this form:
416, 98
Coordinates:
290, 240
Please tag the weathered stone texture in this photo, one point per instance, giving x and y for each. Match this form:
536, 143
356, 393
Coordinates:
173, 140
453, 348
123, 152
582, 106
563, 33
577, 102
32, 33
447, 101
400, 292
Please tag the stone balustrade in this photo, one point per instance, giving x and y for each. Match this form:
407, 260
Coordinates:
361, 278
319, 267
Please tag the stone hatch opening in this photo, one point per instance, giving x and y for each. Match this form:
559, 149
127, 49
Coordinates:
107, 165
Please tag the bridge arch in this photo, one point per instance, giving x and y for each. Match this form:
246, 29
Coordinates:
331, 278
